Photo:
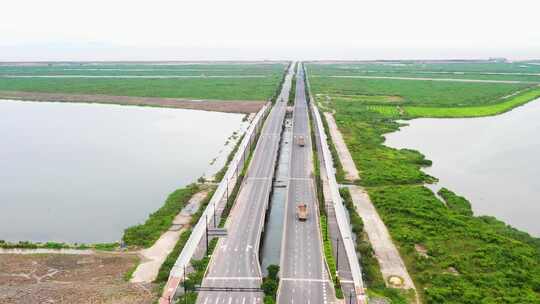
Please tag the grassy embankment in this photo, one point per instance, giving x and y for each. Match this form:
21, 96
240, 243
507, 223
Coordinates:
256, 88
469, 259
144, 235
371, 272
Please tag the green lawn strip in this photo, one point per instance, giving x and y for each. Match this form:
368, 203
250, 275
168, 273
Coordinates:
457, 112
371, 272
329, 256
292, 94
160, 221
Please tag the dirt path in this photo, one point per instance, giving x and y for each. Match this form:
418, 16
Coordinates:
153, 257
351, 173
392, 267
68, 279
229, 106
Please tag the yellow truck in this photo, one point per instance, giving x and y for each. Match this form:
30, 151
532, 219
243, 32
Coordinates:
302, 212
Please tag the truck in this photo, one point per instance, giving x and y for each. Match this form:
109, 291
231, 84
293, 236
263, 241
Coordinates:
302, 212
301, 141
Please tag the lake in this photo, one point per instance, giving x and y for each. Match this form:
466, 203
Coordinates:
492, 161
84, 172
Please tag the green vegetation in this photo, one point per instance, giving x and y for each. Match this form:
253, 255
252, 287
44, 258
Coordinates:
292, 93
469, 259
128, 274
280, 86
246, 82
329, 256
56, 245
516, 71
270, 284
219, 175
196, 277
340, 172
371, 272
417, 93
158, 222
455, 202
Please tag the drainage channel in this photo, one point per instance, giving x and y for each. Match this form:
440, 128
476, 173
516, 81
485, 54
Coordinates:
271, 245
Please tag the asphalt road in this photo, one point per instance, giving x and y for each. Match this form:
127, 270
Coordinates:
303, 274
235, 262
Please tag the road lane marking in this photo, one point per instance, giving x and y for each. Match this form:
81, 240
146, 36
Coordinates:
305, 280
232, 278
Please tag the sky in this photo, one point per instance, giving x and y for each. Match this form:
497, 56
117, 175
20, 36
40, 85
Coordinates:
37, 30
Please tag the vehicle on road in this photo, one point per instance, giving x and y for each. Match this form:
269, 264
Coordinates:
301, 141
302, 212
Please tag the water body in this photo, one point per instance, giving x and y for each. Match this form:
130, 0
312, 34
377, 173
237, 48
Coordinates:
492, 161
85, 172
271, 248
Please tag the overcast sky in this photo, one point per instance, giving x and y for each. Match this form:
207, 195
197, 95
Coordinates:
277, 29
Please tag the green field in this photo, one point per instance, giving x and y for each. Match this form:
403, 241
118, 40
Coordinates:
519, 71
211, 81
413, 92
469, 259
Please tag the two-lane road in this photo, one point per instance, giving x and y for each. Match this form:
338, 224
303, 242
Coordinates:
235, 262
303, 274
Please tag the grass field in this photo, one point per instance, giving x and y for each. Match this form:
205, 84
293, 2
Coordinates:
260, 80
412, 92
469, 259
519, 71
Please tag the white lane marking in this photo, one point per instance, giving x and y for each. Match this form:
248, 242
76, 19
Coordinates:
217, 300
243, 300
232, 278
230, 300
305, 280
205, 300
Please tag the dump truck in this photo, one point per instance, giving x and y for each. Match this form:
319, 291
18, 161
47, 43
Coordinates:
301, 212
301, 141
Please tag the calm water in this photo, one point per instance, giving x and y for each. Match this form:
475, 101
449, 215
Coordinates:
85, 172
493, 161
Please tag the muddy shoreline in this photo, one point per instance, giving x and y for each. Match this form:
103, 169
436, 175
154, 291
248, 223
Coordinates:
227, 106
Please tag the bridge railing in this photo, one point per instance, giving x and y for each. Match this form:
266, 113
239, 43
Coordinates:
341, 214
198, 231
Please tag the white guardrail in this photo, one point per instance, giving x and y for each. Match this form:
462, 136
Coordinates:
341, 214
198, 230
